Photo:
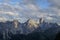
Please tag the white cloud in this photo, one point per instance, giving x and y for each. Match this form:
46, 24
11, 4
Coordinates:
29, 10
49, 18
3, 19
32, 7
55, 2
9, 13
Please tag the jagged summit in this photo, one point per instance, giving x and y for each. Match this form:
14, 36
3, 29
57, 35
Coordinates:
41, 20
15, 22
32, 23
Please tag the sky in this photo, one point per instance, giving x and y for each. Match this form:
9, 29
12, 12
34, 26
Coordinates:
23, 10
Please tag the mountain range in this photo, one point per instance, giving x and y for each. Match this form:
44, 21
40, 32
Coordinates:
29, 27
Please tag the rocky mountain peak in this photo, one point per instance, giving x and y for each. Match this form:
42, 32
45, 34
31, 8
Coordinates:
32, 23
15, 22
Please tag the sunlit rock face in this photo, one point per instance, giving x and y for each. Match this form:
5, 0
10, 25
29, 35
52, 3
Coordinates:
15, 23
32, 23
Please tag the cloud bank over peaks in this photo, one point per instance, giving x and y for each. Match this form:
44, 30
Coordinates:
25, 9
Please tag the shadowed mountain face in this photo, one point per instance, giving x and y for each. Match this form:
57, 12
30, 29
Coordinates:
30, 30
57, 36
